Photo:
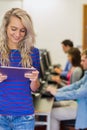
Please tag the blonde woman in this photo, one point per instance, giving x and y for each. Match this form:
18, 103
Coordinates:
17, 40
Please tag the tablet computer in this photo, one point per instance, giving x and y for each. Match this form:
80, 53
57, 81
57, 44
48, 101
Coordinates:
15, 72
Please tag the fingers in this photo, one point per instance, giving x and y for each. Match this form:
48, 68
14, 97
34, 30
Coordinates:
2, 77
52, 90
48, 89
32, 76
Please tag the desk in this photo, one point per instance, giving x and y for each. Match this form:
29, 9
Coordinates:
43, 108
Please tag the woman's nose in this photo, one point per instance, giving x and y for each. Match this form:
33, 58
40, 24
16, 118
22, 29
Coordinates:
17, 33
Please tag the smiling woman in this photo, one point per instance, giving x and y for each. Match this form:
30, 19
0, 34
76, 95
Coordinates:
17, 49
15, 32
18, 28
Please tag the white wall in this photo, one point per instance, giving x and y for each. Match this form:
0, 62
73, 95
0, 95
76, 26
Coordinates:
8, 4
54, 21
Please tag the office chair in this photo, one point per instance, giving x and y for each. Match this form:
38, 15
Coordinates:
68, 124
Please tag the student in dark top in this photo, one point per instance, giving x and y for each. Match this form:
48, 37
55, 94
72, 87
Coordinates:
75, 72
17, 49
66, 45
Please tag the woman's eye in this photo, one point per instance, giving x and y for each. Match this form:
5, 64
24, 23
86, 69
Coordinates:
23, 30
13, 29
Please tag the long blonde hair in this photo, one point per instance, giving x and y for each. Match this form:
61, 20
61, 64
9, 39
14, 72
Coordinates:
25, 45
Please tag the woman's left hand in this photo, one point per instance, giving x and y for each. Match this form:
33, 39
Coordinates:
33, 76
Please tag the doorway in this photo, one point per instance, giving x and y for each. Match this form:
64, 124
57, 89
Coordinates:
84, 46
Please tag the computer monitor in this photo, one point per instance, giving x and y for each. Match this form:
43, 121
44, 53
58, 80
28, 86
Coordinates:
42, 69
44, 59
49, 58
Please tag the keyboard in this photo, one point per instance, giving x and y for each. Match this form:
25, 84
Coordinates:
44, 93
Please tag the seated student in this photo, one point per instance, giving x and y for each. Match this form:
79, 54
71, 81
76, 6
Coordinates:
76, 91
66, 46
75, 72
64, 110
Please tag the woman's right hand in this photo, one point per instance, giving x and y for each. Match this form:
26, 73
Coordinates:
56, 79
52, 90
58, 70
2, 77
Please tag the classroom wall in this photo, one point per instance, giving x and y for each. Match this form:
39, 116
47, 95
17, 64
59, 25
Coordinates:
8, 4
54, 21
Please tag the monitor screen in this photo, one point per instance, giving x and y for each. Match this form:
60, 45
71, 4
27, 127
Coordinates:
44, 59
49, 58
45, 62
42, 70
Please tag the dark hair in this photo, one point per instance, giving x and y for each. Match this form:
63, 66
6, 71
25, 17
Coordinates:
67, 43
76, 56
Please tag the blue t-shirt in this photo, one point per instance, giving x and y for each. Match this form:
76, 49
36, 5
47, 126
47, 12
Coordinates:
15, 94
66, 69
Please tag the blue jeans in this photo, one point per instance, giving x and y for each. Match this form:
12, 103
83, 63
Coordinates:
17, 122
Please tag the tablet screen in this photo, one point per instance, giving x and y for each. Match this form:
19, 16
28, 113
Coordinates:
15, 72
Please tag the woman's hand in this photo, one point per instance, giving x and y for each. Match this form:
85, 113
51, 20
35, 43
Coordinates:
58, 70
56, 79
33, 76
52, 90
2, 77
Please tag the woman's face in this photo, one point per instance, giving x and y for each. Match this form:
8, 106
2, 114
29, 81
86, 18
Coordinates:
15, 32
